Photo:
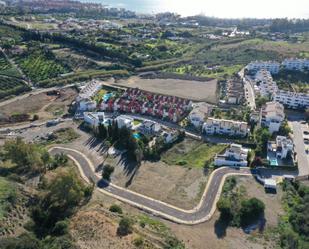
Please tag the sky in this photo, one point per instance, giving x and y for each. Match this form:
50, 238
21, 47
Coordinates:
219, 8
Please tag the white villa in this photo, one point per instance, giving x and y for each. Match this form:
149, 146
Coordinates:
86, 104
281, 147
124, 121
292, 99
272, 116
199, 113
149, 127
225, 127
236, 155
94, 119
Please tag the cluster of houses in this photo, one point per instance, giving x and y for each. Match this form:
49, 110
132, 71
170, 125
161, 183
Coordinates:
265, 86
274, 67
137, 101
235, 91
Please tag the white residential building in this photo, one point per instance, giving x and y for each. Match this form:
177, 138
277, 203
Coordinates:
292, 99
271, 66
94, 119
272, 116
170, 136
296, 64
236, 155
283, 146
149, 127
199, 113
264, 83
225, 127
124, 121
86, 104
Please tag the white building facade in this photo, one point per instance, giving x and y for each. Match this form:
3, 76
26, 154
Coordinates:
214, 126
236, 155
292, 99
271, 66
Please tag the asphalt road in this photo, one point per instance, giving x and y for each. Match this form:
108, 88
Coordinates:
200, 214
302, 157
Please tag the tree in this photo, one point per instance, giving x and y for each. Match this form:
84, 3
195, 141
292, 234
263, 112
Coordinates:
107, 172
125, 226
224, 206
26, 156
102, 131
251, 210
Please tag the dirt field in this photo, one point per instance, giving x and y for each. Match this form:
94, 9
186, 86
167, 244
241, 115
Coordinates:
45, 106
176, 185
203, 236
209, 235
195, 90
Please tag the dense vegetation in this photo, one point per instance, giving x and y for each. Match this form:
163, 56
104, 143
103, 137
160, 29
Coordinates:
55, 200
293, 80
137, 149
294, 225
235, 208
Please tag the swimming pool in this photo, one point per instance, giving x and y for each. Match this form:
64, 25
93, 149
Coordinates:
107, 96
137, 136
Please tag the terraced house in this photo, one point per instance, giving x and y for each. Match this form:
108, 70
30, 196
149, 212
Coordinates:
142, 102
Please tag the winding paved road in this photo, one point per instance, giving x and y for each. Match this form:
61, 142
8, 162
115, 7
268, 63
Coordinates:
201, 213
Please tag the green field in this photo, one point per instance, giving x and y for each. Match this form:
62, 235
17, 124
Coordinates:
192, 154
39, 66
202, 70
11, 86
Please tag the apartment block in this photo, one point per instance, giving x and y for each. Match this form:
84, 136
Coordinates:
272, 116
225, 127
271, 66
292, 99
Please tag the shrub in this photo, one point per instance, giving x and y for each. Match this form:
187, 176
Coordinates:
60, 228
107, 172
115, 209
125, 226
251, 210
138, 242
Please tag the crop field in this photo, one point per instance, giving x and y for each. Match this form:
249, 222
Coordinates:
11, 86
38, 66
6, 68
190, 89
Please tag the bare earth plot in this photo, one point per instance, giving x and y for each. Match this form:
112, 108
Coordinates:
195, 90
205, 235
175, 185
47, 107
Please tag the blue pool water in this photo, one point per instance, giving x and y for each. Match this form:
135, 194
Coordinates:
137, 135
107, 96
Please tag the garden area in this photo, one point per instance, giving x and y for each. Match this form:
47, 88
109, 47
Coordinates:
192, 154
